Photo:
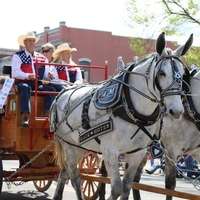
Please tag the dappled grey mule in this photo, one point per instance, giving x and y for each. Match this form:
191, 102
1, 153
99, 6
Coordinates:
128, 125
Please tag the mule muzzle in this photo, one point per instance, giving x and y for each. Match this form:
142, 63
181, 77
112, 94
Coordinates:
175, 113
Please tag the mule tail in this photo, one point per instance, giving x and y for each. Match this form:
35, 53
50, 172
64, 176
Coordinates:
60, 155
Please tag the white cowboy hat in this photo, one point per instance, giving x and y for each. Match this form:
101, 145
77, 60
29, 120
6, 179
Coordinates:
63, 47
47, 46
30, 35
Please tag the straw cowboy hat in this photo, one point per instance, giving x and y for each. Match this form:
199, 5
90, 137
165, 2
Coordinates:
63, 47
29, 35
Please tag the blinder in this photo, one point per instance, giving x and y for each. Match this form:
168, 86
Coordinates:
175, 88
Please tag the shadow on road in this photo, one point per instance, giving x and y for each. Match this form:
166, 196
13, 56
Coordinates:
25, 195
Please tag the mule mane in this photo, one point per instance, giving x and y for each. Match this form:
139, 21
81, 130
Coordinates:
142, 60
168, 51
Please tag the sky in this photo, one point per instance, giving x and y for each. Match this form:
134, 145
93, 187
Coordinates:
21, 16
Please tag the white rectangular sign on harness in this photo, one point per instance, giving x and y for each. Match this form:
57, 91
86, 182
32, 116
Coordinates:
4, 92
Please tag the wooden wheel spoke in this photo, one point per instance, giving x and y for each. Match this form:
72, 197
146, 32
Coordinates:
92, 162
96, 184
89, 189
85, 187
88, 161
42, 185
83, 183
92, 186
95, 164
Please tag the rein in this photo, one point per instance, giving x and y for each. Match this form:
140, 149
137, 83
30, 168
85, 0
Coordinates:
130, 114
126, 106
153, 138
193, 181
177, 80
191, 112
91, 150
127, 110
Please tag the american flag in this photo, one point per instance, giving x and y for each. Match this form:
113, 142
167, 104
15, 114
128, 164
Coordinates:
24, 58
26, 65
61, 68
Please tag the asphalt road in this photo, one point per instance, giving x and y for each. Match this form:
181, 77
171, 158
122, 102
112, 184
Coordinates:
28, 192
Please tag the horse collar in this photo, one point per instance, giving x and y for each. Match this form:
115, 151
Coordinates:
128, 112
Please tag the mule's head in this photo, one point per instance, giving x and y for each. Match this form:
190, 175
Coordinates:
168, 76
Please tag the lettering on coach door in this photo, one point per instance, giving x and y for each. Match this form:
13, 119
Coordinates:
96, 131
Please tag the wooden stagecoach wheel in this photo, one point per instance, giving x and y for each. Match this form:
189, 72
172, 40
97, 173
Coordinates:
42, 185
89, 164
1, 175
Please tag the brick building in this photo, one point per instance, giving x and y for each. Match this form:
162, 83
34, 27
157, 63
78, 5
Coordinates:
98, 46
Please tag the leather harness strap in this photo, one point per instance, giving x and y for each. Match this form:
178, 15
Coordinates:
85, 116
191, 112
125, 108
125, 114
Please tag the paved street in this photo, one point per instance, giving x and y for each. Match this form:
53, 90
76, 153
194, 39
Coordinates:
28, 192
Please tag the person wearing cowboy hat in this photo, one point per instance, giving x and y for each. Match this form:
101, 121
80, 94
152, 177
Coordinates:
23, 70
63, 56
50, 74
48, 50
48, 71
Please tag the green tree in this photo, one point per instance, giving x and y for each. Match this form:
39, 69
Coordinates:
168, 15
172, 16
141, 46
193, 56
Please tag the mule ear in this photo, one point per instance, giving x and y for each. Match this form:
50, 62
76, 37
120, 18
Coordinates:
180, 51
160, 44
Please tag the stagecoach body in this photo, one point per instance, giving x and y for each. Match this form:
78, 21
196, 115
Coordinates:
17, 143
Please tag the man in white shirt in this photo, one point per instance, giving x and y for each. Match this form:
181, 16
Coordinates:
23, 70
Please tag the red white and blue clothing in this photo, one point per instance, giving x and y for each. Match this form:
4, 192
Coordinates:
73, 74
23, 66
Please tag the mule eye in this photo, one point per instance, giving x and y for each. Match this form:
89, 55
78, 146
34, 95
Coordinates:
162, 73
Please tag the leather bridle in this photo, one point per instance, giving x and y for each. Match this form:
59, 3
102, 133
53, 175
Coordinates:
175, 88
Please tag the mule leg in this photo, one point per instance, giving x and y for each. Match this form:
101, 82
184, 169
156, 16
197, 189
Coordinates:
102, 190
130, 173
76, 183
63, 176
170, 176
112, 166
137, 177
74, 173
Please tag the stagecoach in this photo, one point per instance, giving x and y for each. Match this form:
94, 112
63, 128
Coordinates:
33, 147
